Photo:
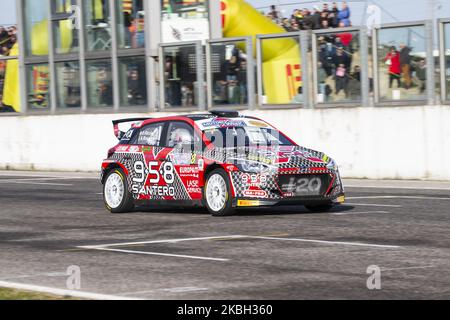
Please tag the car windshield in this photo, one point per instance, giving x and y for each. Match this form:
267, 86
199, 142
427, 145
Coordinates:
233, 137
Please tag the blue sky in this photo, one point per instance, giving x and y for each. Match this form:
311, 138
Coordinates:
392, 11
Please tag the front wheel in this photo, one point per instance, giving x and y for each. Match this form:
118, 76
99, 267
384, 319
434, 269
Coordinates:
217, 194
116, 196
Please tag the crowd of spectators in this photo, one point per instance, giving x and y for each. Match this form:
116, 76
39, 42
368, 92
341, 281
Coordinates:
8, 38
333, 16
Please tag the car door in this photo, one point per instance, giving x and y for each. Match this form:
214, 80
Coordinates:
181, 140
145, 163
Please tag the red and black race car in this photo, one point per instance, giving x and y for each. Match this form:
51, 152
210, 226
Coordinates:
221, 161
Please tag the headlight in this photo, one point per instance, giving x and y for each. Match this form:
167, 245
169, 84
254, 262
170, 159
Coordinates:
332, 165
254, 167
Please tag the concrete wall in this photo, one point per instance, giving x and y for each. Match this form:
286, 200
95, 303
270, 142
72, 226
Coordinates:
375, 143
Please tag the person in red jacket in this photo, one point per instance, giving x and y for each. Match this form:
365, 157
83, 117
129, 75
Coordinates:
393, 61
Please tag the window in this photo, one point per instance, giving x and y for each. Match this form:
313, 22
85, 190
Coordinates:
133, 81
97, 25
36, 23
402, 65
150, 135
68, 90
99, 83
131, 24
180, 133
184, 20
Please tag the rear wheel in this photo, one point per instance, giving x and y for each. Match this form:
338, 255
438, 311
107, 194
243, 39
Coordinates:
320, 207
217, 194
116, 196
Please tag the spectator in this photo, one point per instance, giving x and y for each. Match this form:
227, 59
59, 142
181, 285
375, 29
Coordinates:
344, 15
405, 63
307, 20
392, 60
341, 78
421, 74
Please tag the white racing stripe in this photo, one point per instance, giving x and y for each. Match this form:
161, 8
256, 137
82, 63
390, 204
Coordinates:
62, 292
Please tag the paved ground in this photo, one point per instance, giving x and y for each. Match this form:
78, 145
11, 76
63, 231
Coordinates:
50, 221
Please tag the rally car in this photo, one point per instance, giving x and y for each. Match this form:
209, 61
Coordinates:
220, 160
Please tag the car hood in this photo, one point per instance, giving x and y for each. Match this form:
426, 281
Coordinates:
282, 156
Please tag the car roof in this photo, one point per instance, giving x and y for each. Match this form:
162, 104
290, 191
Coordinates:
191, 118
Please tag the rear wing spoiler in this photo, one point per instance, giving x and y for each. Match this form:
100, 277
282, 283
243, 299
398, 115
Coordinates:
119, 134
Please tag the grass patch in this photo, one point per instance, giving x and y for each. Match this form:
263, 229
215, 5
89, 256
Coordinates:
12, 294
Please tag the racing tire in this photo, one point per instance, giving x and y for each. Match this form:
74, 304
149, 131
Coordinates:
217, 194
320, 208
116, 195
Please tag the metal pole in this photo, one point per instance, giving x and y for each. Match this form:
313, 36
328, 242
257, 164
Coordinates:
200, 76
162, 79
259, 71
114, 57
314, 71
209, 76
431, 85
82, 57
376, 80
215, 19
22, 68
306, 79
149, 60
251, 90
51, 59
442, 61
364, 52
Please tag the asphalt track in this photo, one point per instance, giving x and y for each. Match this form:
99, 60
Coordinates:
50, 221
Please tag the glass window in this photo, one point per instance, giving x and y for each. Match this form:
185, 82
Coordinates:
402, 63
229, 73
66, 36
63, 6
447, 58
99, 83
338, 67
133, 81
68, 84
97, 25
151, 135
179, 134
184, 20
282, 74
36, 27
38, 86
131, 24
180, 76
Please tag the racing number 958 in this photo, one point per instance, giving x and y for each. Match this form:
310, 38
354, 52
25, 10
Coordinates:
167, 172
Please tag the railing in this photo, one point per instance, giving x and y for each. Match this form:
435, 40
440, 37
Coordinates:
393, 65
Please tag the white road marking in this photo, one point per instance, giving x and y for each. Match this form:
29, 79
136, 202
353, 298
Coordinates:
126, 244
407, 268
38, 183
398, 197
351, 212
374, 205
162, 254
171, 290
328, 242
396, 187
62, 292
